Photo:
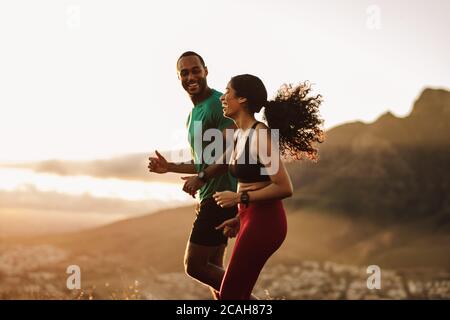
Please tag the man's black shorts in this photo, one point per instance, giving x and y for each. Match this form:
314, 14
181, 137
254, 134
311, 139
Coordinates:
209, 216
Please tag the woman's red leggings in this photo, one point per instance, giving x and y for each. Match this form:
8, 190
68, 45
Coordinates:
262, 231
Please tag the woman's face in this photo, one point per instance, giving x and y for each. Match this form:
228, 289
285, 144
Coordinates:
230, 103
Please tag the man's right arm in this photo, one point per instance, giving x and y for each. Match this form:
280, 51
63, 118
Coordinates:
188, 168
160, 165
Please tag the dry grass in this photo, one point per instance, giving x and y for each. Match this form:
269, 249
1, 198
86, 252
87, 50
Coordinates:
323, 257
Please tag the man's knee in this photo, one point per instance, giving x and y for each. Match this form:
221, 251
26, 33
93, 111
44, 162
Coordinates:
217, 261
217, 257
197, 259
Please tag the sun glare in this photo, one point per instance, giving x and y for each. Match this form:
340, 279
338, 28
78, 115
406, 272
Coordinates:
17, 179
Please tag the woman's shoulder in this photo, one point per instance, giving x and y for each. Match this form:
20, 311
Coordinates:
261, 126
261, 131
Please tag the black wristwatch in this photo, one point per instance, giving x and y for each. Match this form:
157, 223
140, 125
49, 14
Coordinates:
245, 199
202, 176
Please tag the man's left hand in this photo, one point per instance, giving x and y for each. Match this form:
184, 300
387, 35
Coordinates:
192, 184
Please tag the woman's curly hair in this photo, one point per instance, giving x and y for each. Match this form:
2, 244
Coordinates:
296, 114
293, 111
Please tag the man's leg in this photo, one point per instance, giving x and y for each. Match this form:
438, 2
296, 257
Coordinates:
205, 264
217, 259
205, 249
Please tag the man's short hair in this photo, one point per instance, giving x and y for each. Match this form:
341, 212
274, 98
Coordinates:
191, 53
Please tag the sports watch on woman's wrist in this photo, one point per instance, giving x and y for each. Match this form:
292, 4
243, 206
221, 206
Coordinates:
245, 199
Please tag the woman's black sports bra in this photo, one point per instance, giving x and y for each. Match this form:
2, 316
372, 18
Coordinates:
244, 169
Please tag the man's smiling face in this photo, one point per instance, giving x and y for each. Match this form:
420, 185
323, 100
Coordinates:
192, 74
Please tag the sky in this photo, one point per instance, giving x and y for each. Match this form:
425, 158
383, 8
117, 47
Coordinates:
94, 79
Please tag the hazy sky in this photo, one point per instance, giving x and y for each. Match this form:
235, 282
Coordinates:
84, 79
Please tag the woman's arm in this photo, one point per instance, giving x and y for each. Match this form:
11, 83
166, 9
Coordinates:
281, 186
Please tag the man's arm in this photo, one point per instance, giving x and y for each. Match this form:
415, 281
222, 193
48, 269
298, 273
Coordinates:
194, 183
215, 170
160, 165
221, 166
181, 167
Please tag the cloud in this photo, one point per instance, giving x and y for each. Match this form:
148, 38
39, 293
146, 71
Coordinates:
29, 197
127, 167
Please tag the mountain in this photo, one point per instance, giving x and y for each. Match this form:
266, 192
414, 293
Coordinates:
394, 169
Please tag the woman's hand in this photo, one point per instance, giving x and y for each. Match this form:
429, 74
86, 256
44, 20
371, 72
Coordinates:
230, 227
226, 199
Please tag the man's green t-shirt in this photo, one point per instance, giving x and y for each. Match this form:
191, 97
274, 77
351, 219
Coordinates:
208, 114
